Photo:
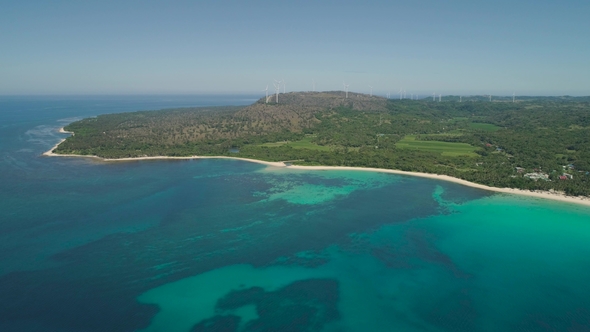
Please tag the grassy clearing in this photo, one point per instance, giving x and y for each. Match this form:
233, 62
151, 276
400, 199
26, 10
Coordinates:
274, 144
450, 134
458, 119
444, 148
484, 126
301, 144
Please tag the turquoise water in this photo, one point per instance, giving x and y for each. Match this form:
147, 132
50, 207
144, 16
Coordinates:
225, 245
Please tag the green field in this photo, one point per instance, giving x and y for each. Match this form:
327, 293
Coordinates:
484, 126
444, 148
302, 144
454, 133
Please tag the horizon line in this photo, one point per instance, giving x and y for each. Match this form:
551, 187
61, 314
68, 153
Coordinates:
376, 94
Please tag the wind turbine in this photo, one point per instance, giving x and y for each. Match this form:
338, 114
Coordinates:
277, 85
346, 88
490, 97
371, 95
433, 96
266, 100
284, 85
460, 99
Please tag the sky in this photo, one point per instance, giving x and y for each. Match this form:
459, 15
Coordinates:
527, 47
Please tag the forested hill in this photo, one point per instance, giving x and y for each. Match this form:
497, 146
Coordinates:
533, 143
296, 111
142, 133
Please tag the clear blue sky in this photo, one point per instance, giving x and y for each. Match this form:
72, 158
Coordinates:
531, 47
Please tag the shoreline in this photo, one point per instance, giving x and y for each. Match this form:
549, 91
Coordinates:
555, 196
551, 195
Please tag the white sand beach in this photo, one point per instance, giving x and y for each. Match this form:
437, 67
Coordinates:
556, 196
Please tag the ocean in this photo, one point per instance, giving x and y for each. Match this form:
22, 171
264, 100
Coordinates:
228, 245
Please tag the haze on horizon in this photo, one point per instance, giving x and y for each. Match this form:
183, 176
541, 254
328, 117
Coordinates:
183, 47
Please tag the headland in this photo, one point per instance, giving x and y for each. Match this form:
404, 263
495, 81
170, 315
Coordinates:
532, 146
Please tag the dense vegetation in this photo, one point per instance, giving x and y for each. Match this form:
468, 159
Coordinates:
494, 143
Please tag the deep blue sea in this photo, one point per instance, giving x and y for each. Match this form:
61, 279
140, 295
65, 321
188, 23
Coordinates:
227, 245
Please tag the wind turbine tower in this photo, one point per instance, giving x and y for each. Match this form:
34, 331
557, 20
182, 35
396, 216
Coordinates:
277, 85
371, 95
346, 89
266, 100
460, 98
490, 97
